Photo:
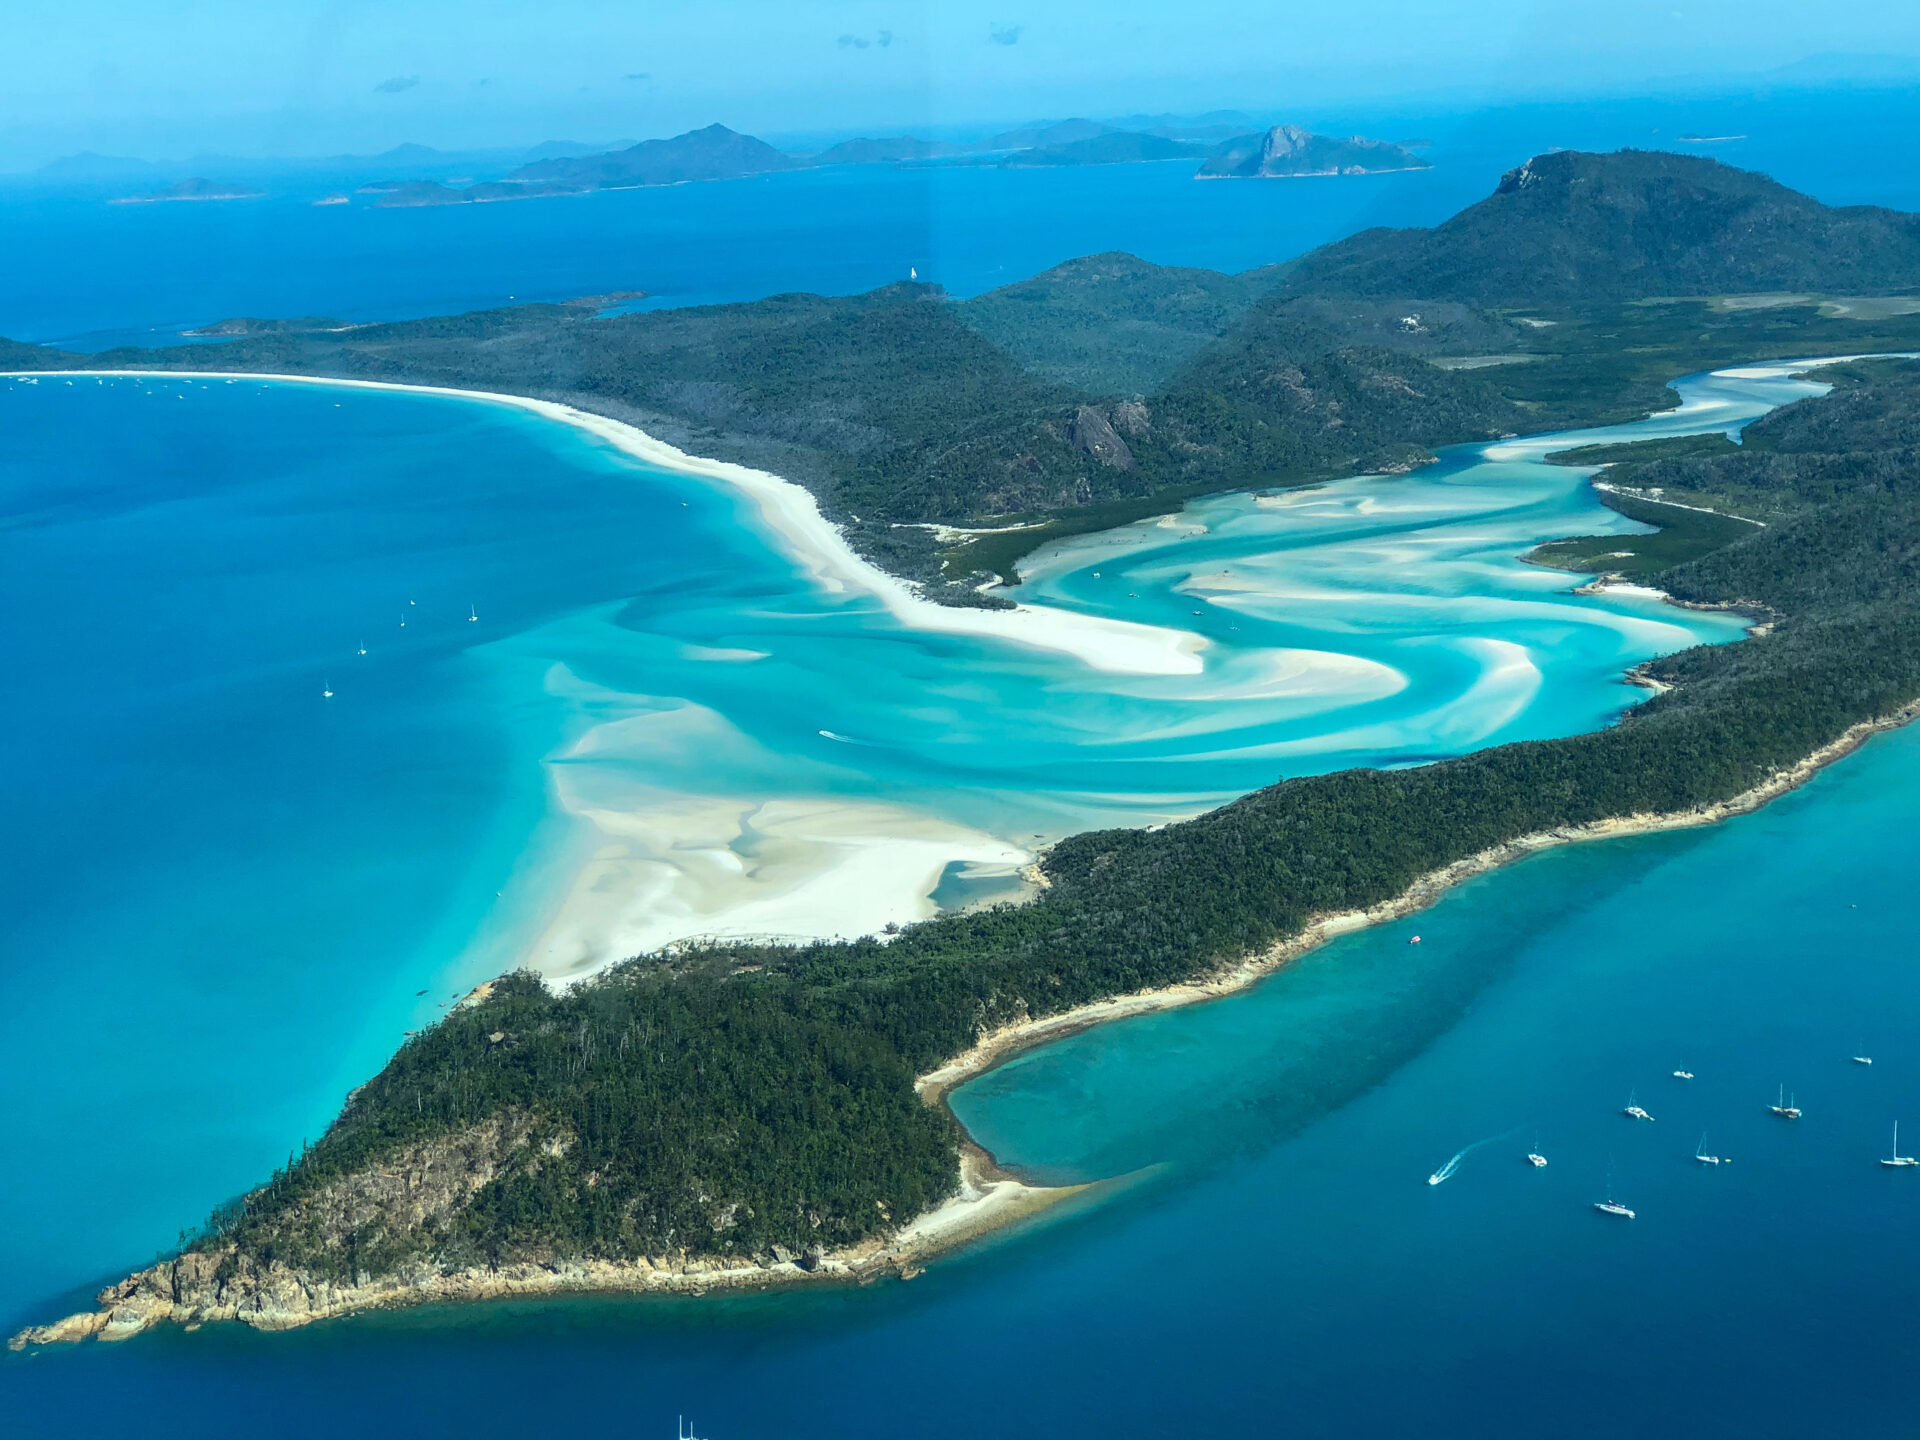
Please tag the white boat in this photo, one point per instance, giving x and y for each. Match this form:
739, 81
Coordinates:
1683, 1074
1863, 1059
1536, 1159
326, 692
1632, 1111
472, 613
1613, 1207
1784, 1110
1897, 1161
363, 647
684, 1430
1700, 1152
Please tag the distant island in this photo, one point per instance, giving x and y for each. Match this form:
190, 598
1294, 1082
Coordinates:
194, 189
717, 153
1287, 150
634, 1131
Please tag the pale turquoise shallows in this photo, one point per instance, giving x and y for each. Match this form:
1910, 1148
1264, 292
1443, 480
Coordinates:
234, 882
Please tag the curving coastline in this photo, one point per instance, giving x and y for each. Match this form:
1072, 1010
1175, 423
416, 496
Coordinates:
790, 513
989, 1199
192, 1290
1001, 1045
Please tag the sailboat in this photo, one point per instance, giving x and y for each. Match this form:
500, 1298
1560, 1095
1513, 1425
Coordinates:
363, 647
472, 614
1700, 1152
1897, 1161
684, 1431
1611, 1206
326, 692
1863, 1059
1783, 1109
1534, 1157
1632, 1111
1683, 1074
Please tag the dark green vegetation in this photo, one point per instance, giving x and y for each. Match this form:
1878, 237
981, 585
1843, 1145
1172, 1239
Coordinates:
725, 1099
738, 1097
693, 1112
1113, 324
1683, 531
1112, 387
1584, 228
1681, 534
1673, 447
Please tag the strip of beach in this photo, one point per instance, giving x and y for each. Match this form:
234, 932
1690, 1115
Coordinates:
988, 1199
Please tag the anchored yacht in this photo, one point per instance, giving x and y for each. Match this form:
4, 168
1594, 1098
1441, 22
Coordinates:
1683, 1074
1700, 1152
1632, 1111
1783, 1109
1613, 1207
1536, 1159
1897, 1161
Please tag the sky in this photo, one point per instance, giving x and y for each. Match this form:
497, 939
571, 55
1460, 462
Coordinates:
303, 77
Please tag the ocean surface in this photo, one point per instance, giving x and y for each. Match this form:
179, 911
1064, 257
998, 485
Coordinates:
1282, 1264
580, 704
81, 272
330, 702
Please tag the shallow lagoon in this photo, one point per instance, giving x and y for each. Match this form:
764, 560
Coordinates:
184, 590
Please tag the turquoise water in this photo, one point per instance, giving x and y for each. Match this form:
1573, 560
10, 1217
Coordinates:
236, 884
1290, 1269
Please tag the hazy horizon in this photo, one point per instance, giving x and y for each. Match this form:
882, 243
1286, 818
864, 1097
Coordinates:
313, 78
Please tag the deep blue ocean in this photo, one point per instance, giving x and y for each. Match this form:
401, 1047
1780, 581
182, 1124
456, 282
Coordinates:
78, 271
557, 672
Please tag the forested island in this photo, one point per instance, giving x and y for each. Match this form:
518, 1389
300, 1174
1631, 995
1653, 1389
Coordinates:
752, 1110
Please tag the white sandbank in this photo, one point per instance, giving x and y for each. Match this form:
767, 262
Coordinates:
792, 515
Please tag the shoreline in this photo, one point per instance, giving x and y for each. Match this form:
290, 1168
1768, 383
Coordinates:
996, 1048
989, 1198
792, 516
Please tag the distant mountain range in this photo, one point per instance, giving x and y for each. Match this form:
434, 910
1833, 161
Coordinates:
717, 153
1221, 144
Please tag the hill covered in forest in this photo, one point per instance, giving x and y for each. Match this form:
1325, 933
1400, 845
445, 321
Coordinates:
756, 1102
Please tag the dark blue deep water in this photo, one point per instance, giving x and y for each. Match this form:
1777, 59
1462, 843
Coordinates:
1267, 1257
1290, 1271
76, 270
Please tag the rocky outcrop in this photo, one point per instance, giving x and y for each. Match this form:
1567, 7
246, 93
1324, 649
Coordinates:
1287, 150
1093, 433
216, 1282
1132, 418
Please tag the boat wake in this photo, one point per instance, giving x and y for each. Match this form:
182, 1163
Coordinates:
1445, 1172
